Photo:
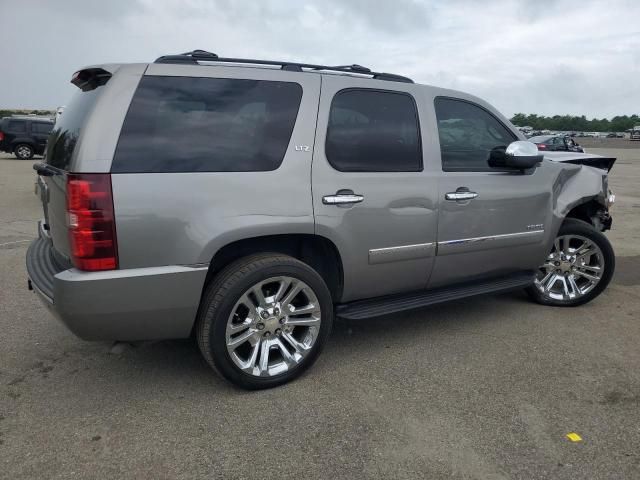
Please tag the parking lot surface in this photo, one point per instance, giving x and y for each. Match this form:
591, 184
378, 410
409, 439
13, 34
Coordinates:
485, 388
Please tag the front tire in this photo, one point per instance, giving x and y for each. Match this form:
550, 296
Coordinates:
577, 270
23, 152
264, 320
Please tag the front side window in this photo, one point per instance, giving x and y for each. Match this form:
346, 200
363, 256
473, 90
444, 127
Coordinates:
373, 131
467, 134
186, 124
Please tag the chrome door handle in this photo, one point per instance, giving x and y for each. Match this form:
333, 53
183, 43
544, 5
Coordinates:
457, 196
342, 199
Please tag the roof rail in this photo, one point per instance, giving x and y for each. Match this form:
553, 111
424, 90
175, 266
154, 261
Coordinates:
196, 56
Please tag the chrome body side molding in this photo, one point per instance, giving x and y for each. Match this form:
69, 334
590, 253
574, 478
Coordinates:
402, 252
465, 245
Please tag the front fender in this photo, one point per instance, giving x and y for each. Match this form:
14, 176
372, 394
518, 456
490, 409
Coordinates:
577, 184
574, 185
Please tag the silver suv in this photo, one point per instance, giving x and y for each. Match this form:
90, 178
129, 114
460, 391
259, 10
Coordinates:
248, 202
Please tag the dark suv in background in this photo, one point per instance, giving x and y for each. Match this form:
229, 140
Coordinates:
24, 136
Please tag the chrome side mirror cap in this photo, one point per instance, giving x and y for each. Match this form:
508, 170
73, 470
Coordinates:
522, 154
519, 155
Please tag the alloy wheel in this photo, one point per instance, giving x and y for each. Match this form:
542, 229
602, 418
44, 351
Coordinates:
23, 152
573, 268
273, 326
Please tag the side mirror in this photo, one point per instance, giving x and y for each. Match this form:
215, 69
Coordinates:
519, 155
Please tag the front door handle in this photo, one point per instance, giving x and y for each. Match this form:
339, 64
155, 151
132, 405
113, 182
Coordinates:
342, 197
462, 193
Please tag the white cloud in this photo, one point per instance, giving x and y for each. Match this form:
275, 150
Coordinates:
546, 57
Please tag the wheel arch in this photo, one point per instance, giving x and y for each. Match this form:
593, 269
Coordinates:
592, 212
317, 251
22, 141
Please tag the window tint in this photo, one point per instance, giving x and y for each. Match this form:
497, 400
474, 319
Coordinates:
373, 131
467, 134
39, 127
183, 124
66, 130
17, 126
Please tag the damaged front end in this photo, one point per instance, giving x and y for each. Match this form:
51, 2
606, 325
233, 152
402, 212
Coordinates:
585, 193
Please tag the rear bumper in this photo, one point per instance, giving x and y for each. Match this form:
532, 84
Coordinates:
133, 304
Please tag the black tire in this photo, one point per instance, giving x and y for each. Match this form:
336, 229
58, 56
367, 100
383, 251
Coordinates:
23, 151
221, 295
573, 226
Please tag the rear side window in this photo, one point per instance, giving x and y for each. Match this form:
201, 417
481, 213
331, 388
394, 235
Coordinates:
66, 130
467, 134
41, 127
184, 124
373, 131
16, 126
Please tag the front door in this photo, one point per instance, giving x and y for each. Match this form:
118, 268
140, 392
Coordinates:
491, 222
372, 195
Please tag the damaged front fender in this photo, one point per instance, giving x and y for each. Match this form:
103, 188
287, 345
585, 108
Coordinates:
579, 191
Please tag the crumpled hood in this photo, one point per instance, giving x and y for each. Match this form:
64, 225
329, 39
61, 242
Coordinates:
591, 160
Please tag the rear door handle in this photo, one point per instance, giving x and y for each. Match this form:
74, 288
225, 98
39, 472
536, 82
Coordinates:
461, 193
342, 197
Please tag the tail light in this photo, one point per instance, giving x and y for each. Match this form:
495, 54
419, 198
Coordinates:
541, 146
1, 136
92, 227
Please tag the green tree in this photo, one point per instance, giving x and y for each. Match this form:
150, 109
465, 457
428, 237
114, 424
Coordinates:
576, 123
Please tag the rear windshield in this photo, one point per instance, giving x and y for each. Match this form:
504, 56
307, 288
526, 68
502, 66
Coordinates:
66, 130
185, 124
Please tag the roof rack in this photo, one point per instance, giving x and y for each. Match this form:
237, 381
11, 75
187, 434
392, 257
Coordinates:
196, 56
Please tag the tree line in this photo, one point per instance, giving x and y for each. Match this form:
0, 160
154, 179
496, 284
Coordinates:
44, 113
573, 123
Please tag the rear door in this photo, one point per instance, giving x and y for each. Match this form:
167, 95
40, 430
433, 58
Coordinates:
491, 222
40, 132
372, 195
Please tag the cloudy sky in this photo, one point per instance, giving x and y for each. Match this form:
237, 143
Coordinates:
537, 56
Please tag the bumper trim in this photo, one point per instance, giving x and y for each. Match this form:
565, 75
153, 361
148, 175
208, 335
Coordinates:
41, 267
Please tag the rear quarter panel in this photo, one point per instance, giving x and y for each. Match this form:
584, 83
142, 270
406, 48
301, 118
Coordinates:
184, 218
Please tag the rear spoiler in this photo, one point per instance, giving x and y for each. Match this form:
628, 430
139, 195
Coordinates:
605, 163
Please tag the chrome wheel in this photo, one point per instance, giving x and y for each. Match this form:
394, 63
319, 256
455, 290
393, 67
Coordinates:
573, 268
273, 326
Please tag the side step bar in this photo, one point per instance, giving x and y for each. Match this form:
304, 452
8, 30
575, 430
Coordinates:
396, 303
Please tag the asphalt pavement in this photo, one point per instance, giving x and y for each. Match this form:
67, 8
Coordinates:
486, 388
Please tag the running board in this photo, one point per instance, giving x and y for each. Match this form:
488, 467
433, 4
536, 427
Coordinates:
375, 307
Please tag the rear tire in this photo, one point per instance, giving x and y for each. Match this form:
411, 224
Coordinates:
247, 328
23, 151
578, 273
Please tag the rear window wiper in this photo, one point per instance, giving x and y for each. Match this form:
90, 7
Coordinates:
45, 170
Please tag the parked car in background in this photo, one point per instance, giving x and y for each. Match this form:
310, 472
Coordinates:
635, 133
556, 143
24, 136
247, 202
